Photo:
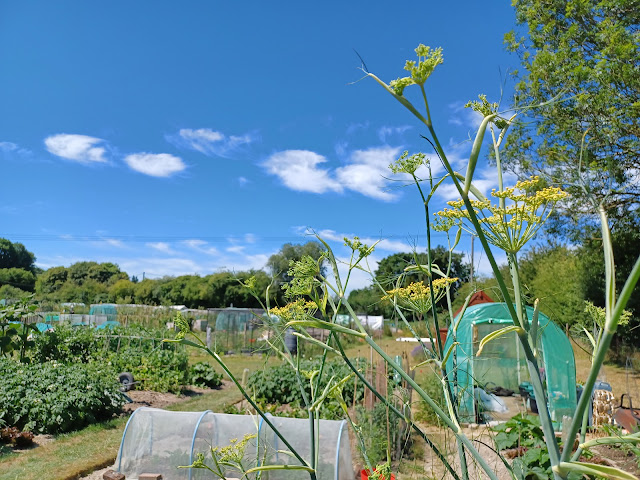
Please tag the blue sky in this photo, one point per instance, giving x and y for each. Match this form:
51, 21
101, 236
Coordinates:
192, 137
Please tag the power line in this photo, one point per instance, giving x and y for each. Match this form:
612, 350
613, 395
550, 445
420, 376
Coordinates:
182, 238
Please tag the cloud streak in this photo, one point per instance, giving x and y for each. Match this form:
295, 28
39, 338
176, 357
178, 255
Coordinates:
210, 142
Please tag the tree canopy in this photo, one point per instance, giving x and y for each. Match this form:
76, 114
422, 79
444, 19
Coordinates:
585, 54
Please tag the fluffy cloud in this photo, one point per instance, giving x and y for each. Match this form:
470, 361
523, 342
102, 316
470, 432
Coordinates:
298, 170
155, 164
364, 172
79, 148
210, 142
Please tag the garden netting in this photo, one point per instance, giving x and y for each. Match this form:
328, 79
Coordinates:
158, 441
502, 361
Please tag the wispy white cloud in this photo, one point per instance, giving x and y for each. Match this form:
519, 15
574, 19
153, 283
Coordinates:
79, 148
387, 131
155, 164
464, 117
299, 170
201, 246
161, 247
237, 249
13, 148
242, 181
107, 242
383, 243
365, 172
210, 142
354, 127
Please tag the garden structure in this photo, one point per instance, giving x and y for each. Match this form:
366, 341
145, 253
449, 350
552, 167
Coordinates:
502, 362
157, 441
235, 328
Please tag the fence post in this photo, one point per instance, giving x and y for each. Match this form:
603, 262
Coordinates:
209, 337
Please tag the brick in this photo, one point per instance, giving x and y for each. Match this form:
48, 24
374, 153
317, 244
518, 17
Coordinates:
149, 476
111, 475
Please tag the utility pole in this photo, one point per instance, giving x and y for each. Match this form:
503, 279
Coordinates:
473, 237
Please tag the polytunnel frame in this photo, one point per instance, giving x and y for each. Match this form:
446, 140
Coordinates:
461, 364
193, 439
336, 472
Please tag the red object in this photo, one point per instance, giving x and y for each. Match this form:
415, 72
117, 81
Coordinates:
364, 475
443, 335
477, 298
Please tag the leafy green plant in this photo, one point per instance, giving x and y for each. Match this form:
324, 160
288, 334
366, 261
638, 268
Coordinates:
433, 387
203, 375
15, 333
53, 398
280, 385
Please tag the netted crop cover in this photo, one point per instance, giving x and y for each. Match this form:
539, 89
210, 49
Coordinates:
158, 441
502, 362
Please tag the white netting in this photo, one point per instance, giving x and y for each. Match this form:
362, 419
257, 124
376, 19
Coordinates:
158, 441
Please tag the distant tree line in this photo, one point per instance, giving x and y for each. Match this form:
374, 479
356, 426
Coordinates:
561, 277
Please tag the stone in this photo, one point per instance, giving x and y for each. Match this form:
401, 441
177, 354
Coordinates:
111, 475
149, 476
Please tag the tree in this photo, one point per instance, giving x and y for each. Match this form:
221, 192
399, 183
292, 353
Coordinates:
391, 272
279, 263
552, 274
392, 267
584, 54
17, 277
625, 238
15, 255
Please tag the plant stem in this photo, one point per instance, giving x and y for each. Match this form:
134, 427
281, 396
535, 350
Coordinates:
417, 429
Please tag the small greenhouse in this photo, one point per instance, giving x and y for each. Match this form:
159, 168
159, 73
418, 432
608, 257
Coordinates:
158, 441
502, 362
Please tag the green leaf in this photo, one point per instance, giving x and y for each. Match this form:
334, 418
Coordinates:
496, 334
634, 438
603, 471
326, 325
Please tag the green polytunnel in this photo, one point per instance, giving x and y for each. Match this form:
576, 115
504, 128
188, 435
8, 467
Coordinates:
159, 441
502, 362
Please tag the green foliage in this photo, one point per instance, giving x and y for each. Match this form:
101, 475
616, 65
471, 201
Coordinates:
586, 53
14, 332
53, 398
155, 365
383, 432
203, 375
552, 274
18, 278
625, 237
67, 344
433, 387
15, 255
391, 273
279, 385
160, 370
279, 264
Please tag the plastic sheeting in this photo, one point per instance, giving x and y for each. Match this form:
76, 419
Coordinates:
158, 441
502, 362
